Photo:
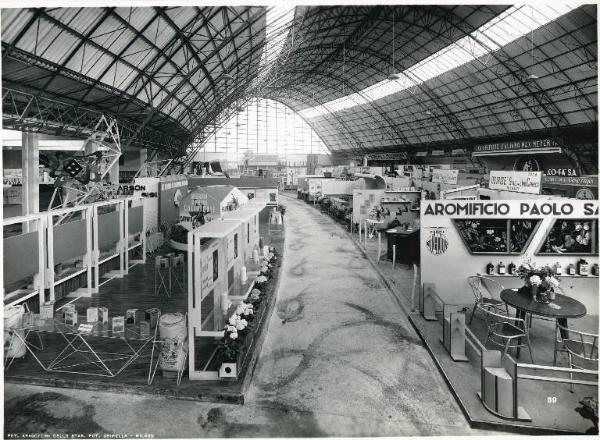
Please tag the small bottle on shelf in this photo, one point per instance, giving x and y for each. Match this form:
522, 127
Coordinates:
501, 268
571, 269
512, 268
558, 268
583, 267
489, 269
595, 270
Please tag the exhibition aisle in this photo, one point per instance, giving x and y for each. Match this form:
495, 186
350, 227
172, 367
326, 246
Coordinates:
339, 359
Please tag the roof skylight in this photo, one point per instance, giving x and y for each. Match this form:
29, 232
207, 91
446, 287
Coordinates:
512, 24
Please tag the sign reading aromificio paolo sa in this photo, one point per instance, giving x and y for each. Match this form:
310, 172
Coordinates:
449, 177
529, 182
567, 208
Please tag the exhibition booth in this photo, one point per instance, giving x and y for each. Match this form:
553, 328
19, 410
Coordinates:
516, 305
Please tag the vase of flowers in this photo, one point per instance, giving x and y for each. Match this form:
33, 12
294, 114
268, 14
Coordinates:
540, 282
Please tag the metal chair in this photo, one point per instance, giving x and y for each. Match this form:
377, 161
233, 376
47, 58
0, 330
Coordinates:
505, 328
481, 290
580, 345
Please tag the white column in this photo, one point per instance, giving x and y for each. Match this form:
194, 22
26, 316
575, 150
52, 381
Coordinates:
30, 160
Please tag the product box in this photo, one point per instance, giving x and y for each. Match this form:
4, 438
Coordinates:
118, 324
92, 314
103, 315
67, 308
130, 316
71, 317
47, 310
151, 315
144, 329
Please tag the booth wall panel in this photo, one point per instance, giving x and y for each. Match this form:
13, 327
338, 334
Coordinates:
69, 241
20, 257
136, 216
108, 229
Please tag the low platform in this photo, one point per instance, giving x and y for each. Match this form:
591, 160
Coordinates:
136, 290
551, 406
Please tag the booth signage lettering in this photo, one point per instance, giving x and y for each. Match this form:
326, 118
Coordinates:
572, 181
516, 181
129, 190
449, 177
517, 145
565, 172
529, 208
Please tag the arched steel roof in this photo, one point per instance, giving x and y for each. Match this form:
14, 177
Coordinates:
162, 71
170, 74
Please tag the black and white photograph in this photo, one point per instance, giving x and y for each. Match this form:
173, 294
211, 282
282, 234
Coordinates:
299, 219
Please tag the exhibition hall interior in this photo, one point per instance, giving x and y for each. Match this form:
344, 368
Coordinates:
299, 220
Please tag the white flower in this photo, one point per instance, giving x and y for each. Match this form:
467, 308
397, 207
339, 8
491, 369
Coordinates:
490, 232
578, 226
233, 320
586, 226
535, 280
248, 312
261, 279
239, 309
553, 282
231, 329
233, 335
241, 324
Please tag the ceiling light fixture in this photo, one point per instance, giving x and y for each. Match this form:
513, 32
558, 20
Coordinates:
394, 76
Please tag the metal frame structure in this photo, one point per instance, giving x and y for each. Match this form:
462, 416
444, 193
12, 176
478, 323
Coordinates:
171, 76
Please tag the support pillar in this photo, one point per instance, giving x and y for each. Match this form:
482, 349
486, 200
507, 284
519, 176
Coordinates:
30, 161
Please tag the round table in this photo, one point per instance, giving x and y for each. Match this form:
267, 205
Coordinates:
524, 304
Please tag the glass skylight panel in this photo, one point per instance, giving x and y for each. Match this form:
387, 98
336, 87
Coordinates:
507, 27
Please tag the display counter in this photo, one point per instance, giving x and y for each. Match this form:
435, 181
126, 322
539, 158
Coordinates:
406, 242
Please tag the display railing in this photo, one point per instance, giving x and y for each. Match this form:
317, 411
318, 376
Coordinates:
46, 252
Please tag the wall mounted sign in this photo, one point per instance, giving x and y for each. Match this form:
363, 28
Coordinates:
449, 177
591, 181
518, 145
584, 194
516, 181
563, 172
527, 163
437, 242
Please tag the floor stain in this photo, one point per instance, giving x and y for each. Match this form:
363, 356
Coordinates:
50, 412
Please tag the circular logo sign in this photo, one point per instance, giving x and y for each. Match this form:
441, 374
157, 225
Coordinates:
585, 194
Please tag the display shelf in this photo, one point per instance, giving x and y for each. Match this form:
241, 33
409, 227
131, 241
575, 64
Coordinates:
415, 209
399, 192
70, 273
18, 296
516, 276
396, 201
110, 257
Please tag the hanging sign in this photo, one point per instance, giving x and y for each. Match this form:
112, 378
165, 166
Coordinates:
563, 172
516, 181
449, 177
532, 144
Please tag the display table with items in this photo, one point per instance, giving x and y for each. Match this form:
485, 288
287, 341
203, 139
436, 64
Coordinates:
97, 348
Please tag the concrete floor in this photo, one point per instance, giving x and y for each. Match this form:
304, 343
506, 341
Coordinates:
339, 359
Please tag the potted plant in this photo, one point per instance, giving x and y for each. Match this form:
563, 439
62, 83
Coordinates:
231, 346
540, 282
178, 237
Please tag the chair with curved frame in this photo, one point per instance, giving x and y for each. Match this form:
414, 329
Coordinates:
480, 286
507, 329
582, 346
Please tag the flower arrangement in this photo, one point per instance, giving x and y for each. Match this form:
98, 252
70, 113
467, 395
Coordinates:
569, 236
538, 279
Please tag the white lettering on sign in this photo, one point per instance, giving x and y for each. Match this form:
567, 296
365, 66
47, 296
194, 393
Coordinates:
449, 177
564, 172
516, 181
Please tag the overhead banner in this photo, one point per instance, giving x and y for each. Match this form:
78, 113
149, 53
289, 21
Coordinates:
449, 177
516, 181
532, 144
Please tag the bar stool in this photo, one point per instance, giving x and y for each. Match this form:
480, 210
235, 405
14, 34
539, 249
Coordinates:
177, 269
162, 271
